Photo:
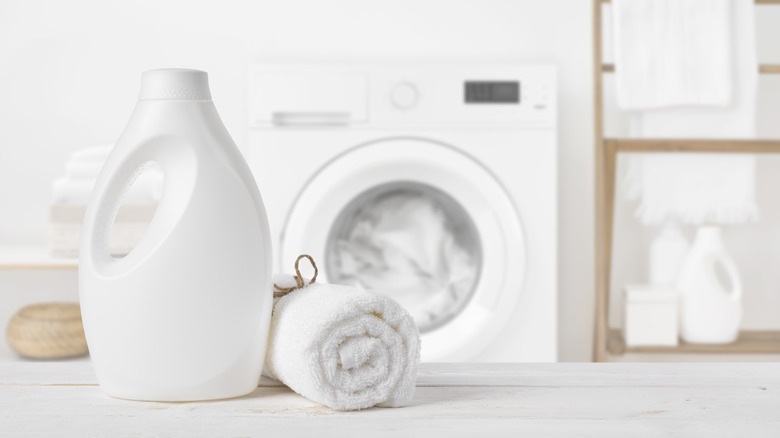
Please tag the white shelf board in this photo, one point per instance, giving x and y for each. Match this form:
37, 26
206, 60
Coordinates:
33, 257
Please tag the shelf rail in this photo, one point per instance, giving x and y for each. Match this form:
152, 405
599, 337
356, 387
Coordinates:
766, 69
758, 2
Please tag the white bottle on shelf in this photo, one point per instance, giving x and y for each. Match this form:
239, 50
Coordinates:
667, 252
185, 315
710, 314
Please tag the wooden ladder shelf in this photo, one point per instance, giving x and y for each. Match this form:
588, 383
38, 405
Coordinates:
610, 341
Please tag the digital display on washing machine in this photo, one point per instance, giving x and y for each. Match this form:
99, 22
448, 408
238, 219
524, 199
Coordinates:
492, 92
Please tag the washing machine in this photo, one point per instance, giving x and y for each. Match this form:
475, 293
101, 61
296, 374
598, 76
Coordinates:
432, 182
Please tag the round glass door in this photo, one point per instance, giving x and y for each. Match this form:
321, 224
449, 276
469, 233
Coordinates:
427, 225
412, 242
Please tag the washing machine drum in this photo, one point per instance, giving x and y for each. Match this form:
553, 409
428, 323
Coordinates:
424, 224
412, 241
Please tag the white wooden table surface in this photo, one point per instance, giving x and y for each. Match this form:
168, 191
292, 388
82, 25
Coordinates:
474, 400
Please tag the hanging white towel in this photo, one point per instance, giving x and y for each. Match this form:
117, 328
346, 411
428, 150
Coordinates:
696, 188
735, 119
344, 347
672, 52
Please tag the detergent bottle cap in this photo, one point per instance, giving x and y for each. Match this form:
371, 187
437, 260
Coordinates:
175, 84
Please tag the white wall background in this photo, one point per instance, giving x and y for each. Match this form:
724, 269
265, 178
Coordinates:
70, 75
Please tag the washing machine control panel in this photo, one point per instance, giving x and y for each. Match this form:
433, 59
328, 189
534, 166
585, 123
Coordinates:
464, 96
404, 95
492, 92
458, 95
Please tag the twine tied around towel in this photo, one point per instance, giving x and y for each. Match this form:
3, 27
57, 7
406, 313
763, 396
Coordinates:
299, 281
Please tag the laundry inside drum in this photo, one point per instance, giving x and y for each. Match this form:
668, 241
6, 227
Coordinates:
412, 242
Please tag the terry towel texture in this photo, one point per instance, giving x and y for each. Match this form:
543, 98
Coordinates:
344, 347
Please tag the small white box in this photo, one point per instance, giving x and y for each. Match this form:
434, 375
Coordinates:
651, 316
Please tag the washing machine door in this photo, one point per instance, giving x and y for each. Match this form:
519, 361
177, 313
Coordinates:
425, 224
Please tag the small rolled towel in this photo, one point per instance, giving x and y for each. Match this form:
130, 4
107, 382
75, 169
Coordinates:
343, 347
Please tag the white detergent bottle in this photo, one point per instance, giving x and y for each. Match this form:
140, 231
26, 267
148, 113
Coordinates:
185, 315
709, 314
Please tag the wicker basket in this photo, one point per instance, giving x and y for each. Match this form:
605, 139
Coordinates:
48, 331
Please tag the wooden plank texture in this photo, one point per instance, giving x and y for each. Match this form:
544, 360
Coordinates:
43, 373
451, 400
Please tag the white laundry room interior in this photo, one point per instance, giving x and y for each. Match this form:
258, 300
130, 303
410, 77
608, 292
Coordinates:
389, 204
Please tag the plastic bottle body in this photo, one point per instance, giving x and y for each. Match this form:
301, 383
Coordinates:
709, 314
185, 315
667, 252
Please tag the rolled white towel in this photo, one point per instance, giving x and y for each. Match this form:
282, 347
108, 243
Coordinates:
344, 347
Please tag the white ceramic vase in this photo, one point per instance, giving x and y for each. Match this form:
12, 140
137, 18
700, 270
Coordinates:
709, 314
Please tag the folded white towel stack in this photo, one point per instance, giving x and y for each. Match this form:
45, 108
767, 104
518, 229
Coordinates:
344, 347
81, 173
70, 195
